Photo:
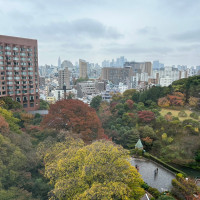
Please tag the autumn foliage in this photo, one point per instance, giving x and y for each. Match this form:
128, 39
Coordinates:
163, 102
146, 116
174, 99
130, 103
3, 125
76, 116
193, 101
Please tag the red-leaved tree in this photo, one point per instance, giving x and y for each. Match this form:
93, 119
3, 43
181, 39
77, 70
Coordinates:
76, 116
130, 103
146, 116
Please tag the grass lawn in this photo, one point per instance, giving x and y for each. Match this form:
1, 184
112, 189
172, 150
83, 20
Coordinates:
164, 111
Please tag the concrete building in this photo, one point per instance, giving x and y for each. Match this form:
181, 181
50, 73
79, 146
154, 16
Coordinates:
140, 67
41, 81
167, 75
64, 78
83, 68
86, 88
116, 75
19, 76
60, 94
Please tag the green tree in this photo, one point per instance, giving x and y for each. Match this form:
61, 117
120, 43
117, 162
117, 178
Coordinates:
12, 121
97, 171
129, 93
10, 104
129, 138
44, 105
96, 101
15, 193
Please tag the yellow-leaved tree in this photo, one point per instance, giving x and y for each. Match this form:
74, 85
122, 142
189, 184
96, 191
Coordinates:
100, 170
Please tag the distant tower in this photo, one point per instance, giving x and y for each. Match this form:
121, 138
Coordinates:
59, 63
83, 68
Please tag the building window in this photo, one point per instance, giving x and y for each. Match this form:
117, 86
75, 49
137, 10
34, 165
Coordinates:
15, 48
7, 47
18, 99
31, 104
25, 105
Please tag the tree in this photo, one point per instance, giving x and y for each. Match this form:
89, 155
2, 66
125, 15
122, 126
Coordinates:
176, 99
147, 131
129, 138
184, 188
163, 102
76, 116
4, 127
129, 104
44, 105
96, 101
193, 101
15, 193
146, 116
12, 121
97, 171
104, 112
10, 104
129, 93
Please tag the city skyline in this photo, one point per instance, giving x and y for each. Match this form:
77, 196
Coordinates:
101, 30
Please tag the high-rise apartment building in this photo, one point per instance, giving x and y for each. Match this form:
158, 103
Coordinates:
116, 75
140, 67
83, 68
64, 78
19, 77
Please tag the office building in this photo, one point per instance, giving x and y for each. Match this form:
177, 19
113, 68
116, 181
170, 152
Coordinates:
83, 68
64, 78
19, 77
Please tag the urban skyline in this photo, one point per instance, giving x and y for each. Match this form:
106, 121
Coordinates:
99, 30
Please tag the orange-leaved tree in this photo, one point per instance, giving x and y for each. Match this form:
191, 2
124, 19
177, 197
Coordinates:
176, 99
163, 102
76, 116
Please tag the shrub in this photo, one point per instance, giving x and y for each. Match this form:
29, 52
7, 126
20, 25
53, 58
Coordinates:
169, 113
194, 115
154, 192
179, 175
166, 197
145, 186
182, 113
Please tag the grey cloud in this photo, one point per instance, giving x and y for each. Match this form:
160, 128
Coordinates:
132, 48
189, 36
74, 45
81, 28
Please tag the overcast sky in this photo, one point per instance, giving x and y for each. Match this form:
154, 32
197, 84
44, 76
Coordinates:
94, 30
